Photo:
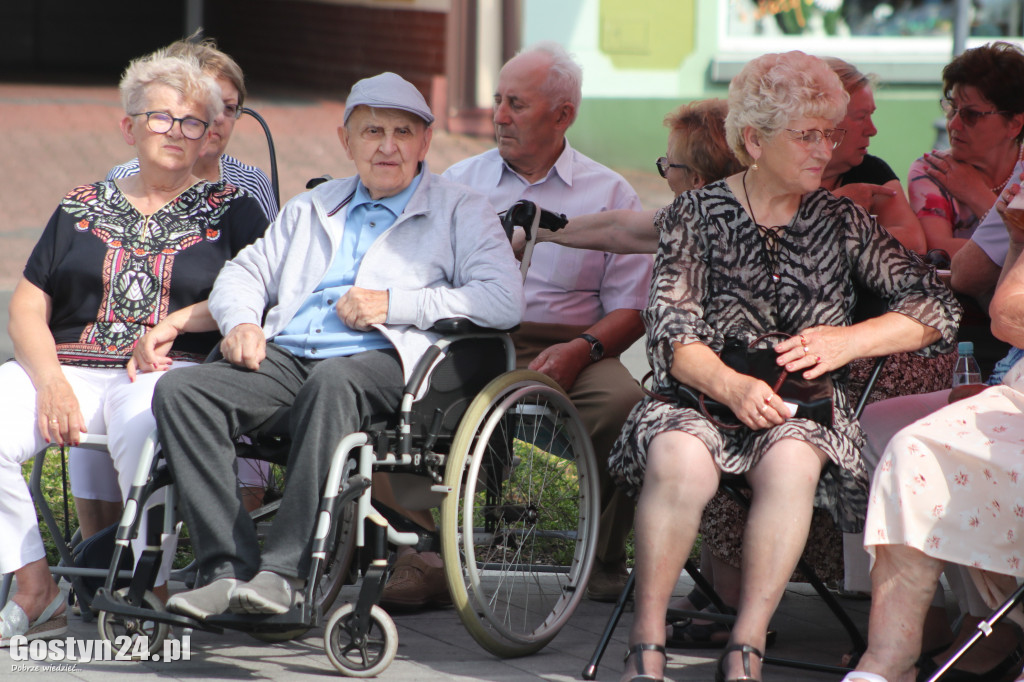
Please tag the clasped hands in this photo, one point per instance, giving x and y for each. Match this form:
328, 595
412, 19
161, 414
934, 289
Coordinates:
960, 179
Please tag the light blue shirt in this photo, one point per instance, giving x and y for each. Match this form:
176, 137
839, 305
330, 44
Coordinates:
316, 331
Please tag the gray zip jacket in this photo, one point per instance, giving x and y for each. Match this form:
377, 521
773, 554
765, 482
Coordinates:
445, 256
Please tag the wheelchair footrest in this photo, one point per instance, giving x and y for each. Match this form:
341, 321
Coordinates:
103, 601
292, 620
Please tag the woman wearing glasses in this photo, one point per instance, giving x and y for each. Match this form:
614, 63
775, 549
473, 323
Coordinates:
983, 99
214, 164
765, 250
112, 294
93, 479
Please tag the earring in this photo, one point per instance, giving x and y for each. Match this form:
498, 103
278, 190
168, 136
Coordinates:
753, 166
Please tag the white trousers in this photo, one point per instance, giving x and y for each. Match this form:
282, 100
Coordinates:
111, 405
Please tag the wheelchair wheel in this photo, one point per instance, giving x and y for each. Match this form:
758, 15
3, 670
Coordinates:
339, 562
113, 626
366, 656
518, 530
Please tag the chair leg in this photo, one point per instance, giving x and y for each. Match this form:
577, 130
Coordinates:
590, 672
984, 627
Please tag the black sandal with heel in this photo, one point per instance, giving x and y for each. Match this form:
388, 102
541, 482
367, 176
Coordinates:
639, 650
746, 650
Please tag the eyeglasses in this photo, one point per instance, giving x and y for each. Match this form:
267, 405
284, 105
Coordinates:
969, 117
663, 165
233, 110
161, 123
814, 136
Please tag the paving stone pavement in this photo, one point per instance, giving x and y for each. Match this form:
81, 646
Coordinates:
55, 136
434, 646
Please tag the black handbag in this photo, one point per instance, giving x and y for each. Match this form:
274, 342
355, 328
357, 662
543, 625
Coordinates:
812, 397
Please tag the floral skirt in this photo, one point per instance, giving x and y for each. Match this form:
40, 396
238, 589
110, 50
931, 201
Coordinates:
952, 484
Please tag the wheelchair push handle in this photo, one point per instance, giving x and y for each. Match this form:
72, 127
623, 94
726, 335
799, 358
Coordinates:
523, 214
529, 216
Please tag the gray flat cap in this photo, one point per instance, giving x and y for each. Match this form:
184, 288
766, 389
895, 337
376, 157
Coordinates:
388, 91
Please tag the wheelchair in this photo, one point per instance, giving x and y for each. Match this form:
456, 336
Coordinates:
504, 454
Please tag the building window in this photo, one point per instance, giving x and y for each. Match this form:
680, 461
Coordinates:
901, 40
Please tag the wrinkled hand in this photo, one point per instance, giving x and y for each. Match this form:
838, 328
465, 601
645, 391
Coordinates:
563, 362
865, 194
245, 346
360, 308
962, 180
815, 350
755, 404
58, 415
150, 353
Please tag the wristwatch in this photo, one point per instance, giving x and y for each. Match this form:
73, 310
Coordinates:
596, 347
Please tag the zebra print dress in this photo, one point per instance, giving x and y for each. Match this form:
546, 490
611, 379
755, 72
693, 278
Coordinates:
713, 280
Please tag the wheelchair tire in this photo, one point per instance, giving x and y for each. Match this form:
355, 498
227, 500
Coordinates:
339, 563
360, 657
113, 626
519, 529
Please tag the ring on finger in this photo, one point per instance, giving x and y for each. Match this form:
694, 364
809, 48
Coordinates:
817, 359
55, 421
805, 349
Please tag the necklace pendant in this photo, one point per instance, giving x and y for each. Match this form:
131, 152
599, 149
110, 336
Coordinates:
775, 278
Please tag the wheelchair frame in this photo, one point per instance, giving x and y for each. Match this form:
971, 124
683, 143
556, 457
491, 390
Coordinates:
487, 568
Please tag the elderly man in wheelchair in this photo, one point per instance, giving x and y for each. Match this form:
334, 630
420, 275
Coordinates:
343, 286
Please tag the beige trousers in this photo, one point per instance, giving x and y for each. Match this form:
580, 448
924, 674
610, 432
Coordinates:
604, 394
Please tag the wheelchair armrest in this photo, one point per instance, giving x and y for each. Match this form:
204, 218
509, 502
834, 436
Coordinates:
461, 325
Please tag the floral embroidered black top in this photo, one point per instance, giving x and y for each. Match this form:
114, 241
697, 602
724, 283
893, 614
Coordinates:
113, 273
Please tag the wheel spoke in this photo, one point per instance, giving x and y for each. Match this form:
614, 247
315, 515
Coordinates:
522, 463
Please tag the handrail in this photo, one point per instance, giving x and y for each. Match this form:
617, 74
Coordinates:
273, 154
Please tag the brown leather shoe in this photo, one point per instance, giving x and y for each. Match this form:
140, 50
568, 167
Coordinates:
415, 585
607, 582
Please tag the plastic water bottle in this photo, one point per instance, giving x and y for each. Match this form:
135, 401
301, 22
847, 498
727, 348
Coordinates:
967, 370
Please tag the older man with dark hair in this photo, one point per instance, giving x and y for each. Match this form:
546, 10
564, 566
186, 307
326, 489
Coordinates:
351, 276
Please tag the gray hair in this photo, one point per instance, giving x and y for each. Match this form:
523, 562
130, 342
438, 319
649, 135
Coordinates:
565, 76
182, 73
852, 77
774, 89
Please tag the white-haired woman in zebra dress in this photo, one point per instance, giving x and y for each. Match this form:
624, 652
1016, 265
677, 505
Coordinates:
761, 251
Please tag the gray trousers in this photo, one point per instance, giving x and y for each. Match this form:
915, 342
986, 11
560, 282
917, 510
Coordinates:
201, 410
